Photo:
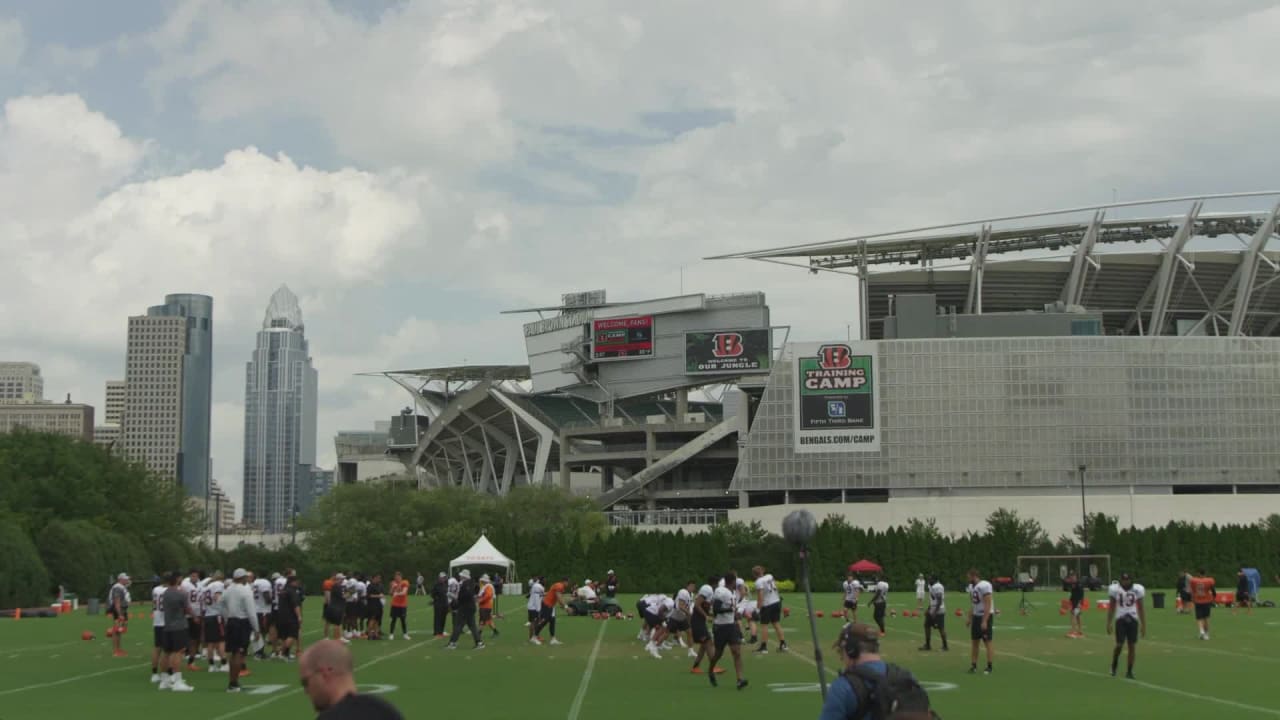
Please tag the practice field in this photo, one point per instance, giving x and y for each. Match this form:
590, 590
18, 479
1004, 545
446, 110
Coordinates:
602, 671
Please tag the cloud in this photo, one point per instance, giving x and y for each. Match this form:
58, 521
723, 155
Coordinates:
13, 43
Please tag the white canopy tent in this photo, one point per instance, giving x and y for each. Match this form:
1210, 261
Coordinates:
484, 553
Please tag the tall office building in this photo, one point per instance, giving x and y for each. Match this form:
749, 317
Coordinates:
108, 434
20, 383
279, 417
168, 390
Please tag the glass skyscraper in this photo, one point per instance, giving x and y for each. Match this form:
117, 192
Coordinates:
279, 418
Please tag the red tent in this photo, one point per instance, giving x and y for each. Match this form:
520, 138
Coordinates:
865, 566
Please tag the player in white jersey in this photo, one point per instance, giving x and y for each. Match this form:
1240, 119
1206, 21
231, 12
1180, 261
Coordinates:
679, 621
935, 616
214, 627
536, 592
278, 583
981, 618
191, 586
879, 601
261, 589
1129, 616
769, 614
700, 625
921, 587
157, 628
852, 589
725, 630
655, 616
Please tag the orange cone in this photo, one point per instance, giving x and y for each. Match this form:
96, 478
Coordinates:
17, 613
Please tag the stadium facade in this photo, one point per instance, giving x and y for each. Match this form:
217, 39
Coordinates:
1127, 355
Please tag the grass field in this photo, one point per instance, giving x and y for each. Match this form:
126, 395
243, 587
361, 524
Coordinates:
601, 671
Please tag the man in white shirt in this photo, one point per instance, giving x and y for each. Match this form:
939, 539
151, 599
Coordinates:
1129, 616
981, 618
118, 608
211, 608
725, 630
262, 591
700, 622
921, 585
157, 627
770, 606
278, 583
879, 601
241, 616
655, 613
536, 591
852, 588
191, 586
936, 614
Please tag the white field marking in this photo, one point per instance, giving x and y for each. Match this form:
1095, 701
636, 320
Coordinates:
296, 690
1200, 648
1151, 686
73, 678
21, 650
576, 707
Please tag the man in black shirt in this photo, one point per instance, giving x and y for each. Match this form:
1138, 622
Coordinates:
1184, 592
328, 678
337, 605
1076, 588
289, 616
1243, 599
464, 612
439, 604
374, 610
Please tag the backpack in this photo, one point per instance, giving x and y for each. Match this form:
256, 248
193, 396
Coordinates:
896, 694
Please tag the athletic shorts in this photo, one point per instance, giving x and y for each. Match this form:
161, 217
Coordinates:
850, 604
332, 615
173, 641
486, 614
770, 614
677, 626
651, 621
1127, 631
878, 611
399, 612
699, 628
546, 613
286, 630
239, 634
1242, 598
158, 633
938, 620
729, 634
976, 632
213, 631
1202, 610
194, 631
263, 622
1185, 597
374, 611
533, 616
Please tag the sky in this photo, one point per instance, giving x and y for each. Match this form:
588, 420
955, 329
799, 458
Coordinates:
410, 169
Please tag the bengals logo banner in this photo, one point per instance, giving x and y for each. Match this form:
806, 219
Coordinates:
836, 405
728, 351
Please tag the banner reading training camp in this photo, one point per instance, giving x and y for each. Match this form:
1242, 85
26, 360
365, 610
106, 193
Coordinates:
727, 351
836, 407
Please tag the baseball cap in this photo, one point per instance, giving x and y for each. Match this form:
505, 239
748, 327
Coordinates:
609, 573
239, 573
587, 581
466, 574
444, 574
275, 576
122, 576
484, 578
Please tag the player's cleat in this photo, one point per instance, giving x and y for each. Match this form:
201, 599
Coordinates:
741, 684
193, 667
245, 673
1129, 676
155, 677
554, 641
181, 686
692, 653
406, 636
711, 676
164, 683
535, 641
696, 671
233, 689
782, 646
451, 646
925, 648
1113, 672
479, 647
987, 671
973, 669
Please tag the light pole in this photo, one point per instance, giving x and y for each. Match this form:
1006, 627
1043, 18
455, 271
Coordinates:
799, 528
1084, 517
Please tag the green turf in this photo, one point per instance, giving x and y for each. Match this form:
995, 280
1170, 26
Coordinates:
46, 671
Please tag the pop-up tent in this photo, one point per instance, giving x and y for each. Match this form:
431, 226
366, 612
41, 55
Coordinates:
865, 566
484, 553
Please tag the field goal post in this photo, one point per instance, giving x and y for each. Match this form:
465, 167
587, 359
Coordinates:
1049, 571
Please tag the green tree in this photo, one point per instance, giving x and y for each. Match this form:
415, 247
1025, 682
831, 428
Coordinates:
25, 580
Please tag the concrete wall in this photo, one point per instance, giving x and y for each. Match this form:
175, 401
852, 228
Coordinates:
1059, 514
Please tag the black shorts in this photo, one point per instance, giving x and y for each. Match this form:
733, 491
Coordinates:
173, 641
651, 621
1185, 597
879, 611
850, 604
1202, 610
1127, 631
374, 611
486, 614
332, 615
546, 613
770, 614
194, 631
287, 629
399, 612
1242, 597
976, 632
263, 622
158, 633
239, 634
212, 629
938, 620
533, 616
699, 627
677, 626
726, 635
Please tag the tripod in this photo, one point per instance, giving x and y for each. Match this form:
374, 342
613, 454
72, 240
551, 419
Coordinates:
1025, 606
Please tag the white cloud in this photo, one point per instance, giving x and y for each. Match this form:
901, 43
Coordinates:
13, 42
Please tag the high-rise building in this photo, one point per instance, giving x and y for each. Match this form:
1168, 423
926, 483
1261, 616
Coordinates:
222, 509
20, 382
279, 417
108, 434
316, 486
168, 390
70, 419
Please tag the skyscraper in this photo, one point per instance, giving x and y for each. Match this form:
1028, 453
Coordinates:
21, 383
108, 434
279, 417
168, 390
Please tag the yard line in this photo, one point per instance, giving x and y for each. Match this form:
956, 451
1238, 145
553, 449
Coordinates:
1201, 648
74, 678
280, 696
576, 707
21, 650
1151, 686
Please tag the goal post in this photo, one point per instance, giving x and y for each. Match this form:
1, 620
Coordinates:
1049, 571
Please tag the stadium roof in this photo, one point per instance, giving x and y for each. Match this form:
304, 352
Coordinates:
465, 373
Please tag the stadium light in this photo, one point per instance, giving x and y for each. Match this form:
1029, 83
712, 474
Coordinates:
1084, 517
799, 528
